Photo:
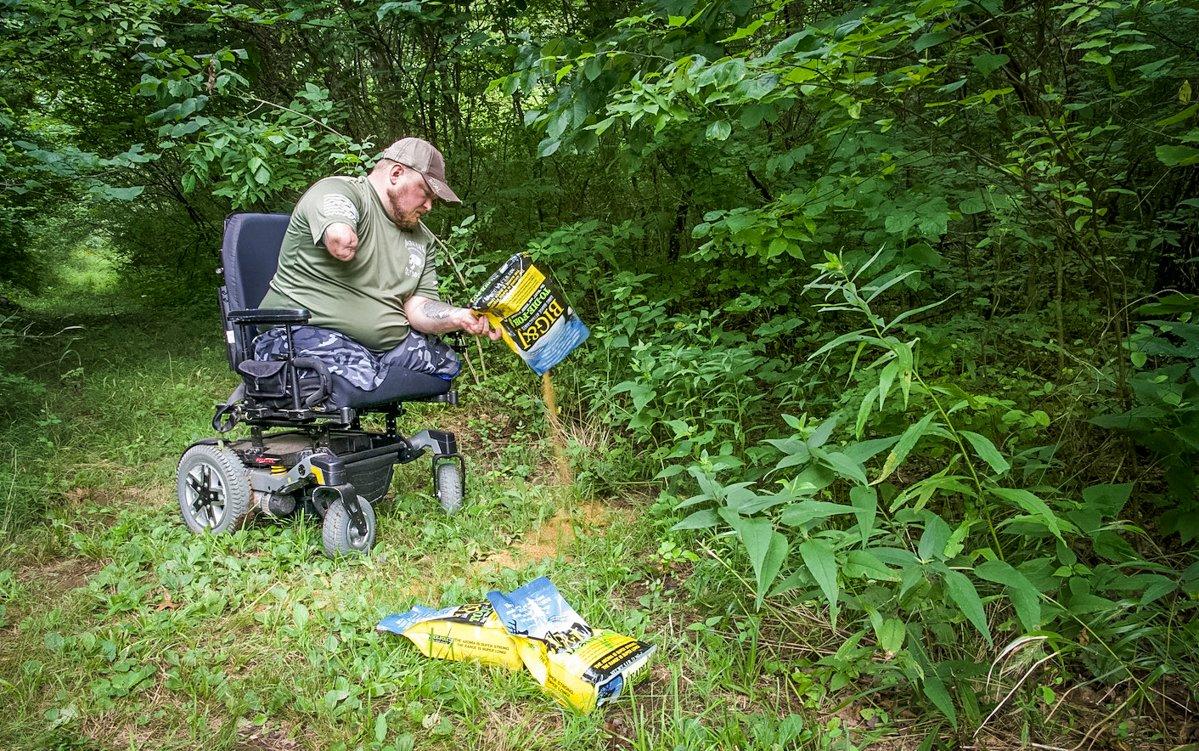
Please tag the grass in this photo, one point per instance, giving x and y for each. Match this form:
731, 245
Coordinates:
119, 629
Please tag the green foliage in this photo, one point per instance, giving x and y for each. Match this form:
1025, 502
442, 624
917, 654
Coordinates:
976, 441
1164, 415
952, 548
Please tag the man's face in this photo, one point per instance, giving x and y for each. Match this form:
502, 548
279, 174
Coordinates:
408, 197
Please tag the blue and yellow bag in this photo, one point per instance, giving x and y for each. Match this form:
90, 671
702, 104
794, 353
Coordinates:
577, 665
529, 310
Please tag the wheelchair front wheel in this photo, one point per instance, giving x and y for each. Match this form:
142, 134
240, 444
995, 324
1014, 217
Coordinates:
343, 535
214, 491
447, 484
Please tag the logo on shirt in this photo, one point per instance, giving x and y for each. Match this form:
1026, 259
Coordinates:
336, 204
416, 258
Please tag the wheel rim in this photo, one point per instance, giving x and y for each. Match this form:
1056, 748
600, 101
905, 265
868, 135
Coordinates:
206, 495
355, 536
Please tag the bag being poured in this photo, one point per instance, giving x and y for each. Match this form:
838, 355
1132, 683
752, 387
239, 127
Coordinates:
577, 665
532, 315
461, 632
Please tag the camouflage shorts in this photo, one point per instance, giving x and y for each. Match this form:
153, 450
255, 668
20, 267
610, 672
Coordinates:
364, 368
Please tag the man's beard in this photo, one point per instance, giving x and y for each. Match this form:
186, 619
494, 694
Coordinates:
407, 222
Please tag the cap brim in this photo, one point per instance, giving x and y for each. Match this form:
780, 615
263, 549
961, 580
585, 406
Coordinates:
441, 190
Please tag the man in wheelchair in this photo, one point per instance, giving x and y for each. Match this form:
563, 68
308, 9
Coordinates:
328, 314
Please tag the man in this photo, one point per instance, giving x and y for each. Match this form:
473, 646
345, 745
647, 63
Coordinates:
356, 256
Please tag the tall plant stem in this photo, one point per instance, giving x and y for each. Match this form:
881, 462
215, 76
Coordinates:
872, 319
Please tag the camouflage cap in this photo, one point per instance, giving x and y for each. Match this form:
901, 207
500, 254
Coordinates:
423, 157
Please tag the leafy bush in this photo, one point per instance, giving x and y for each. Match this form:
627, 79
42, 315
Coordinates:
934, 562
1164, 415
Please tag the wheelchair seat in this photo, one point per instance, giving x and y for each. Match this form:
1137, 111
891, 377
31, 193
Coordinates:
250, 255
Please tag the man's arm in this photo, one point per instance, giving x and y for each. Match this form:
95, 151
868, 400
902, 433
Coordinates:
341, 241
435, 317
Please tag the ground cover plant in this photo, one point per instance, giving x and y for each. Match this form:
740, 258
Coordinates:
886, 432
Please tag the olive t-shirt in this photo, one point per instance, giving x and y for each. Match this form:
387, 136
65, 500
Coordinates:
364, 297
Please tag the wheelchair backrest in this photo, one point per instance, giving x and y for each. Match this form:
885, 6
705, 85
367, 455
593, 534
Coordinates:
249, 255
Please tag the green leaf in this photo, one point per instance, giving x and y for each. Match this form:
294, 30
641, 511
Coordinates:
1107, 499
1159, 587
593, 68
890, 634
934, 689
115, 193
865, 504
1025, 597
719, 130
772, 563
798, 514
820, 435
987, 451
300, 614
796, 451
914, 312
862, 564
1033, 505
381, 728
932, 541
961, 590
931, 39
1178, 156
1132, 47
820, 561
767, 550
907, 442
972, 204
698, 520
1094, 56
988, 64
1179, 116
843, 465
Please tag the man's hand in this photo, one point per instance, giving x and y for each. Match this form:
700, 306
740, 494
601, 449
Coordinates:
341, 241
436, 317
475, 323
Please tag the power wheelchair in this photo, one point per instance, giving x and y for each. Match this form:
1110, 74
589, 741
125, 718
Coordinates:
307, 448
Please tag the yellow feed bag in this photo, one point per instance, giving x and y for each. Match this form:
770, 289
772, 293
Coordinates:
577, 665
463, 632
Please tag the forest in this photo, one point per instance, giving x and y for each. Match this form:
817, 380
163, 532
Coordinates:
886, 433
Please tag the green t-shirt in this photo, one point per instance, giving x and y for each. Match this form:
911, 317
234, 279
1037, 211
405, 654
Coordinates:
364, 297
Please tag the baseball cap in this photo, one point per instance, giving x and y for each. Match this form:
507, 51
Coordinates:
423, 157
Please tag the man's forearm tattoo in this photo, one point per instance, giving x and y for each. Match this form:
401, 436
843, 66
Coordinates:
435, 310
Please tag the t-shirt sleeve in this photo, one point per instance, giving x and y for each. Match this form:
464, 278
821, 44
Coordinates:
329, 202
427, 286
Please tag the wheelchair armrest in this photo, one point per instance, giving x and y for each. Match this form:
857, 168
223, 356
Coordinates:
276, 316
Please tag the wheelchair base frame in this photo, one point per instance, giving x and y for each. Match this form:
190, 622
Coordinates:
324, 465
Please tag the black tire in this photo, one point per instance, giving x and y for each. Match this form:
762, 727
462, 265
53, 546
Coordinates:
213, 488
448, 486
339, 535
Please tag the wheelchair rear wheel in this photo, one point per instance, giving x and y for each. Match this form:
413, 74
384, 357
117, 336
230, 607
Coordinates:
340, 533
214, 491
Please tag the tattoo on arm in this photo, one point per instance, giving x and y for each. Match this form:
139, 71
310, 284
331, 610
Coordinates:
436, 310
